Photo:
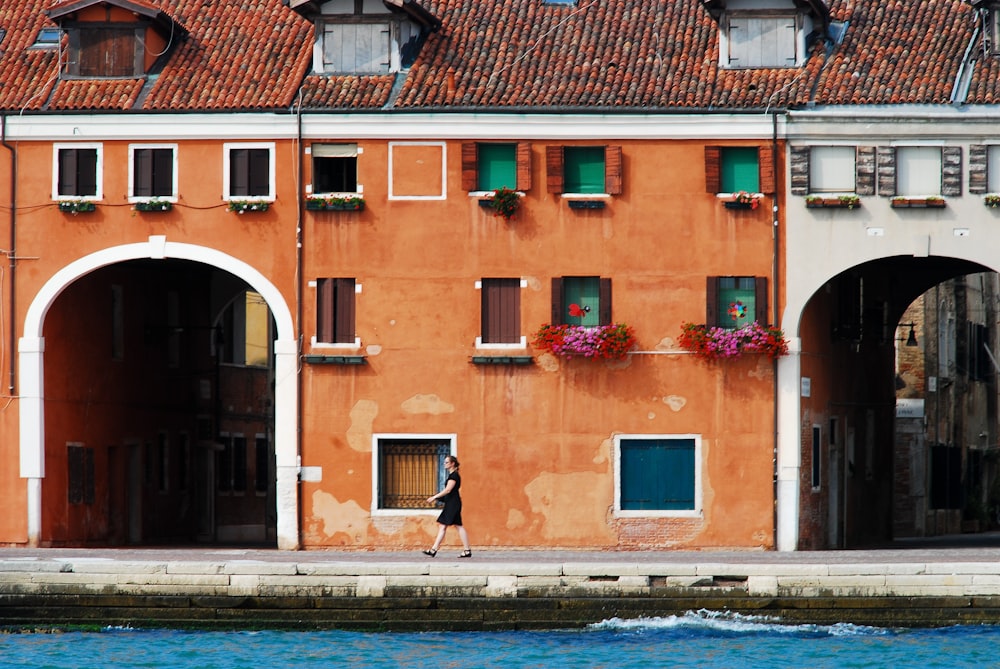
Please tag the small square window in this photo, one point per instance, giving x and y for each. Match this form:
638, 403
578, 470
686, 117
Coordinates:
335, 168
918, 170
583, 169
759, 41
739, 169
581, 300
357, 48
736, 301
48, 38
249, 171
497, 166
152, 172
658, 474
77, 172
832, 169
410, 470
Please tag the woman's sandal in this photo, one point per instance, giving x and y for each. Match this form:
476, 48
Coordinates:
431, 552
465, 554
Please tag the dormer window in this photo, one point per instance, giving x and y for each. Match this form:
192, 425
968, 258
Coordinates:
766, 34
366, 36
114, 38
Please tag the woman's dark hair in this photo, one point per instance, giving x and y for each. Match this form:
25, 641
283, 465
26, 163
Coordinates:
453, 459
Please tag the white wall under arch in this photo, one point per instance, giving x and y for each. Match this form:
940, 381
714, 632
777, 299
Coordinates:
31, 348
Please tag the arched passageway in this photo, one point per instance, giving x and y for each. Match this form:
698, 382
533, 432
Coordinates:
158, 401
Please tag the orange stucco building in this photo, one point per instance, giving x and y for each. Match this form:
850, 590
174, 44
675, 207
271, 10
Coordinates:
256, 288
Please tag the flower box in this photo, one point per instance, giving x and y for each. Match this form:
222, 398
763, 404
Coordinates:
77, 206
904, 202
586, 204
610, 342
335, 204
154, 205
992, 200
838, 202
243, 206
742, 200
714, 343
335, 359
502, 360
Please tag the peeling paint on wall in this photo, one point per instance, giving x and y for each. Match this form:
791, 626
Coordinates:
359, 434
666, 344
675, 402
515, 520
548, 362
429, 404
333, 517
572, 505
374, 349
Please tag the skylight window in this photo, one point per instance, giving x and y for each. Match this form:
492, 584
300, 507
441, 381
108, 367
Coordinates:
48, 38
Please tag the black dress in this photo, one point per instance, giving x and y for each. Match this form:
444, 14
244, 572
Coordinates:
452, 512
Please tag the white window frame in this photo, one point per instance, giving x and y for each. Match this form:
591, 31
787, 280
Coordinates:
132, 197
698, 510
99, 177
227, 149
918, 170
832, 169
745, 21
993, 167
329, 345
376, 438
511, 346
348, 150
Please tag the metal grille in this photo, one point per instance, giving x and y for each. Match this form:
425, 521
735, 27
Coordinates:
410, 472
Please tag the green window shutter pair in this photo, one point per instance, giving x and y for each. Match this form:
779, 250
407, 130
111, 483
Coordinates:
658, 474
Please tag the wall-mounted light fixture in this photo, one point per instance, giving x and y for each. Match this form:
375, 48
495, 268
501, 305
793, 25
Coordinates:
911, 340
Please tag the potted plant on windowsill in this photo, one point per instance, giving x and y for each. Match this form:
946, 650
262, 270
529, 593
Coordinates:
154, 205
992, 200
335, 203
77, 206
848, 201
609, 342
715, 343
243, 206
743, 200
917, 202
503, 201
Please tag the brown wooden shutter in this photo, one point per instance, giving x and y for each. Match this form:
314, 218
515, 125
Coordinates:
978, 169
523, 166
501, 311
886, 166
799, 160
344, 312
470, 166
864, 183
239, 172
604, 305
613, 170
765, 166
760, 297
325, 300
142, 172
67, 171
713, 171
557, 301
259, 176
162, 178
554, 169
712, 301
86, 172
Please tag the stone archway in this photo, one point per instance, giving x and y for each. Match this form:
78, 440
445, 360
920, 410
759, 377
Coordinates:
31, 358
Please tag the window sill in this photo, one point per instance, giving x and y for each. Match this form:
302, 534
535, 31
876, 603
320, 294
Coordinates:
833, 202
77, 206
243, 206
585, 204
153, 205
502, 360
335, 359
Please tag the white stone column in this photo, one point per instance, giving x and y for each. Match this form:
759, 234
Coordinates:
789, 447
286, 446
32, 428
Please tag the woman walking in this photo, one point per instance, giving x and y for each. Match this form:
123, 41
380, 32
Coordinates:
452, 512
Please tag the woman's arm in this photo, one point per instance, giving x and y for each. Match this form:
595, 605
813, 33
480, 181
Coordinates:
447, 489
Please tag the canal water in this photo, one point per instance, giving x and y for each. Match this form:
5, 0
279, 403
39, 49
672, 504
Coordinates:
697, 639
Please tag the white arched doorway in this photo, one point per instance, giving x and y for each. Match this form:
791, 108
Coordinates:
31, 393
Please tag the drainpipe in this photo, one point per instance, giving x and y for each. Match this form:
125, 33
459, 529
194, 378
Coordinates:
776, 266
299, 290
11, 252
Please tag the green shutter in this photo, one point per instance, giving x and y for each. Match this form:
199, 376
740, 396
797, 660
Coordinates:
497, 166
657, 474
585, 293
739, 170
735, 291
583, 169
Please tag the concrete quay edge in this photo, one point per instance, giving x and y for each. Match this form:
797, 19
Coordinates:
496, 589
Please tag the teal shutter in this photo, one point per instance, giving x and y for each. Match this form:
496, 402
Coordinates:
497, 166
585, 293
739, 170
583, 169
657, 474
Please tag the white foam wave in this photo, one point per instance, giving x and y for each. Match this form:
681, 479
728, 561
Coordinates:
736, 623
